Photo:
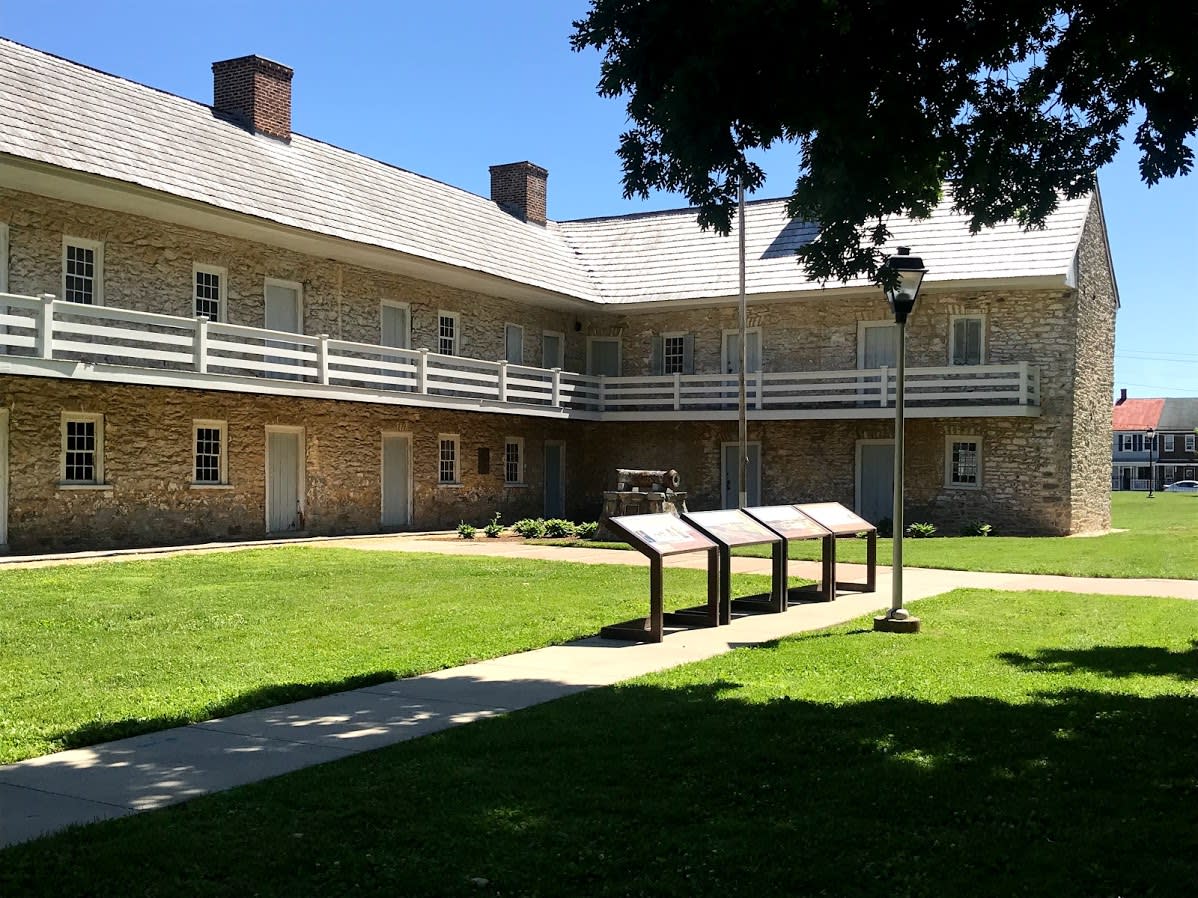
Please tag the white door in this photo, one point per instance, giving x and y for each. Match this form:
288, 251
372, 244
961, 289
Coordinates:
730, 475
879, 346
752, 351
875, 480
394, 325
551, 350
397, 480
284, 481
283, 314
3, 477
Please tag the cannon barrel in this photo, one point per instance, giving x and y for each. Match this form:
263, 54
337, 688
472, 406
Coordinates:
627, 479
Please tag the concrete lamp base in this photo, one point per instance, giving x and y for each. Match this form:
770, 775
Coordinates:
898, 621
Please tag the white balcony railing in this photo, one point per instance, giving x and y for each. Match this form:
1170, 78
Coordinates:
53, 330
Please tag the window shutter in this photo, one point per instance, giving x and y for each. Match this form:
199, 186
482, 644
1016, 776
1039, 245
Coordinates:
657, 356
688, 354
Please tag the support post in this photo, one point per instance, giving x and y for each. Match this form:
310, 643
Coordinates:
322, 359
503, 381
1023, 383
200, 345
743, 466
884, 385
45, 328
422, 371
557, 387
677, 391
602, 392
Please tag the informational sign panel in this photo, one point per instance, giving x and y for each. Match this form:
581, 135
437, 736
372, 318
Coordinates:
663, 533
733, 527
789, 521
836, 517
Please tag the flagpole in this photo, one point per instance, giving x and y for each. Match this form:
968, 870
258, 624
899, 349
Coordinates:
744, 356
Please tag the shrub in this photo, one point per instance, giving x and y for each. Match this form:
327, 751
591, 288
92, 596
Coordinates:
466, 531
886, 527
921, 530
976, 528
530, 528
587, 530
494, 528
557, 528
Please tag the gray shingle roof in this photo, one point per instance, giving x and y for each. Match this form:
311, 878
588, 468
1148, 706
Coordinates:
58, 112
1179, 414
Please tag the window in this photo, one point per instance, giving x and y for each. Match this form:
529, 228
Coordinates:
82, 448
209, 292
210, 468
395, 324
1189, 442
1168, 442
968, 337
82, 271
513, 461
447, 458
513, 343
963, 462
552, 355
447, 333
1132, 442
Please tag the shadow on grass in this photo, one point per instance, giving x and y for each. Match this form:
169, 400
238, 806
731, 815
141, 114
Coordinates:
646, 790
1112, 660
265, 697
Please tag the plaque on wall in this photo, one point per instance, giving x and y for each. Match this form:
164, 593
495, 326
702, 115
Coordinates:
733, 527
665, 534
836, 518
789, 521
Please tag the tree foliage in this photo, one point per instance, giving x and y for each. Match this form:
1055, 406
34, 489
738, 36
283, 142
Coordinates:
1011, 103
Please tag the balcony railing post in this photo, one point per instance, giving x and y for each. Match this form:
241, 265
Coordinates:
503, 381
1023, 383
757, 381
422, 371
557, 387
45, 327
602, 392
199, 346
884, 384
322, 358
677, 390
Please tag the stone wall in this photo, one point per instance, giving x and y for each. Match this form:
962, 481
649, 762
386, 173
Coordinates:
148, 266
1093, 380
148, 463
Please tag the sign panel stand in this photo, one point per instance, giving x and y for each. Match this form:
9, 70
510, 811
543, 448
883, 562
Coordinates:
657, 536
841, 522
791, 524
732, 527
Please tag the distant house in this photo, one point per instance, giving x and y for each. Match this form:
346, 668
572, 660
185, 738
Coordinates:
1153, 442
213, 327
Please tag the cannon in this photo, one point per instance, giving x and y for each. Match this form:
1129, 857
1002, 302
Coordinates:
646, 481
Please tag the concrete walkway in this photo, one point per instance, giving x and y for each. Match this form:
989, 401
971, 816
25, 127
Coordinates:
115, 779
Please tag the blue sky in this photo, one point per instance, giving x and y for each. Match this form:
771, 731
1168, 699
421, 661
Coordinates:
447, 89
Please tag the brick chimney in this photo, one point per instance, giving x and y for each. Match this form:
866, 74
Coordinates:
256, 92
1122, 396
518, 188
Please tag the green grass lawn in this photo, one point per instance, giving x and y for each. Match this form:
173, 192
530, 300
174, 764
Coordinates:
96, 652
1161, 541
1023, 744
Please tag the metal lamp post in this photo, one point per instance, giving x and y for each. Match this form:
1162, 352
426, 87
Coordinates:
907, 273
1151, 435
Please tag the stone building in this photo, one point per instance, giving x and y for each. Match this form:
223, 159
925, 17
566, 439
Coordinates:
213, 327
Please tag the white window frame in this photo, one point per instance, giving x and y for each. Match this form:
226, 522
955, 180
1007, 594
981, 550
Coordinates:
518, 442
198, 268
561, 346
519, 327
4, 257
952, 343
223, 470
1190, 442
97, 247
619, 341
665, 338
948, 461
456, 439
1169, 442
407, 307
97, 482
456, 317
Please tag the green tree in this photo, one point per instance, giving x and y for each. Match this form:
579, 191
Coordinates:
1012, 103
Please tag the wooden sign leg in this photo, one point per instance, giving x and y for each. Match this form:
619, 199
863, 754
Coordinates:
725, 585
656, 620
871, 562
829, 568
713, 587
781, 579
